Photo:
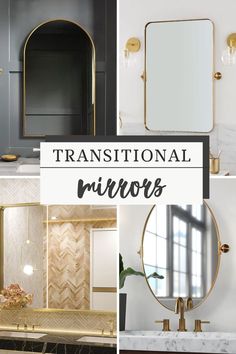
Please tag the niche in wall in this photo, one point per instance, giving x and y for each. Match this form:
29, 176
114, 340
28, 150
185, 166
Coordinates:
58, 81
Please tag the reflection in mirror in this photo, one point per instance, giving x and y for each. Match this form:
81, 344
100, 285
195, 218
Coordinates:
56, 253
180, 242
59, 73
179, 76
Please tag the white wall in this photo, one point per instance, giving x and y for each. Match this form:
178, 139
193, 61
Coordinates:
134, 14
219, 308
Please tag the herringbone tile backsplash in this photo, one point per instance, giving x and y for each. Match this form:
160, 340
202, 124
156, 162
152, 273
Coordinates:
69, 255
60, 320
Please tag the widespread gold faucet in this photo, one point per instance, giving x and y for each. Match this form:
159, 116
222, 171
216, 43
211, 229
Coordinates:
179, 309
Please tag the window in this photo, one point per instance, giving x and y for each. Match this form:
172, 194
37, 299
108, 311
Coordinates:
174, 244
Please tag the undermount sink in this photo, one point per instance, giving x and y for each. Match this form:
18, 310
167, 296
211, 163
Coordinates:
28, 168
21, 334
191, 342
97, 340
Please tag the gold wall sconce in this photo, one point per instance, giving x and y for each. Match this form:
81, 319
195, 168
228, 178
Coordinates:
229, 54
132, 45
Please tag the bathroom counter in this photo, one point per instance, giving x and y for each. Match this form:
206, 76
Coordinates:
65, 344
182, 342
22, 167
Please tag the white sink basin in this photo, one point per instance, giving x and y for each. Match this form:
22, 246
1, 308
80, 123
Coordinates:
190, 342
28, 168
21, 334
97, 340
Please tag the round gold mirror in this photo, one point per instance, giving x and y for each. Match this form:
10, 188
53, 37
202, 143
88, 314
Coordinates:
181, 253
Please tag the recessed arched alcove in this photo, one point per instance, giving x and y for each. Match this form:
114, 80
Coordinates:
58, 80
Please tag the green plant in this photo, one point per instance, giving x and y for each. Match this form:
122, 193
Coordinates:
124, 273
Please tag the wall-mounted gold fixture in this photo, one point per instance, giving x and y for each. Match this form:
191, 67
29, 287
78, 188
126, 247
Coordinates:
217, 75
224, 248
229, 54
133, 45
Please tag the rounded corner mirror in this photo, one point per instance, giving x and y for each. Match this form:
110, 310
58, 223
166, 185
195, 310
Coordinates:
181, 253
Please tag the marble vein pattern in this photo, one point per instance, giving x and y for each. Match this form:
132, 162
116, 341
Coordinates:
189, 342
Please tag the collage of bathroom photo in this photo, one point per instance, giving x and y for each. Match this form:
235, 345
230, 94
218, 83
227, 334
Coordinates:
128, 279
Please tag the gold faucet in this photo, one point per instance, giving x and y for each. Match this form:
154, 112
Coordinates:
179, 309
112, 324
189, 303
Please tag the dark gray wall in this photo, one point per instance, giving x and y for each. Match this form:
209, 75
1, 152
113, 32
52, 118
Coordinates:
17, 19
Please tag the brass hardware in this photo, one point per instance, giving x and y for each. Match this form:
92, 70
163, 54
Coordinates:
133, 45
112, 324
93, 74
61, 221
35, 325
166, 325
224, 248
25, 326
1, 71
189, 303
143, 76
214, 165
218, 75
231, 40
198, 325
102, 331
179, 309
17, 326
104, 290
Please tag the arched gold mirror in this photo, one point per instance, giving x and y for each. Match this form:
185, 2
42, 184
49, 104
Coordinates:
58, 80
181, 244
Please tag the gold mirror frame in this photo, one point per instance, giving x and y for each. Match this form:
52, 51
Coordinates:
144, 75
220, 251
93, 74
3, 207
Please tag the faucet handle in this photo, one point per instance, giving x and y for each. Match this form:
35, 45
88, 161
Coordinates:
17, 325
112, 325
166, 325
198, 325
34, 325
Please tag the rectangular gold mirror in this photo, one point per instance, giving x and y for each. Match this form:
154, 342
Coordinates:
179, 76
55, 253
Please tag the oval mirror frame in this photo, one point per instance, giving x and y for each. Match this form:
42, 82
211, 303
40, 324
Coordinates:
219, 253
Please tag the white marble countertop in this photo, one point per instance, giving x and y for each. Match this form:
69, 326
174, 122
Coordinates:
22, 167
189, 342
